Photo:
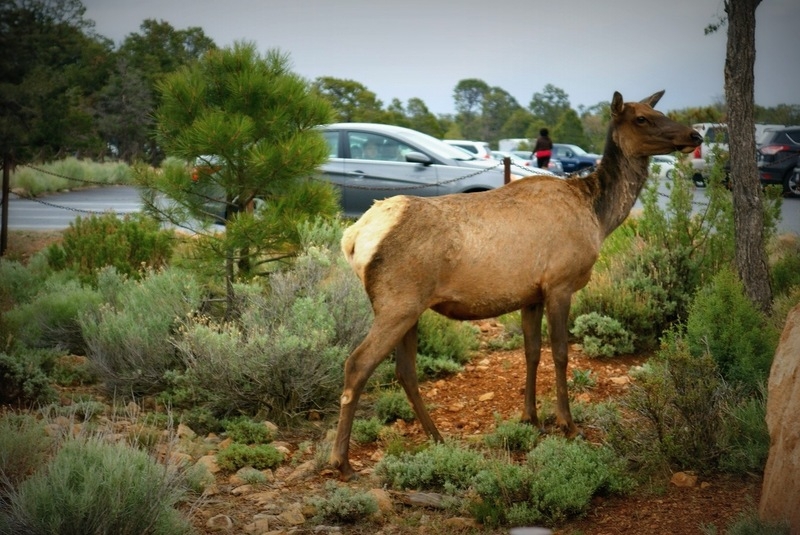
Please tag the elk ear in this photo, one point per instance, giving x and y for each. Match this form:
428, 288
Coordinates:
653, 99
616, 104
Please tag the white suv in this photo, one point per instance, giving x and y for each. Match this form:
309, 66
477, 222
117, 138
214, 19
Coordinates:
479, 149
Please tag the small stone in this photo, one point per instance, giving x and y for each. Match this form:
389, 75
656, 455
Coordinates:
486, 397
684, 479
219, 523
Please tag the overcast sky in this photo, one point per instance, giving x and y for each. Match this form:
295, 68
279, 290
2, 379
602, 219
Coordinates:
414, 48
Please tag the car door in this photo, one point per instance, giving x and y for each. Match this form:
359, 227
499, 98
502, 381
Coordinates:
568, 159
375, 168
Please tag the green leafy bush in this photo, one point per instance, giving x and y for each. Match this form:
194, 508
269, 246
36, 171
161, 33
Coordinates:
24, 376
393, 405
745, 436
259, 456
129, 244
441, 467
443, 338
602, 336
129, 338
343, 504
512, 436
91, 486
724, 322
785, 268
366, 431
246, 431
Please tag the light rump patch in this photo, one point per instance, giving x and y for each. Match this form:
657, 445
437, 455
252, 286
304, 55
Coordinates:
370, 231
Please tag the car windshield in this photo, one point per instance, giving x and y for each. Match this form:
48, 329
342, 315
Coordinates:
577, 150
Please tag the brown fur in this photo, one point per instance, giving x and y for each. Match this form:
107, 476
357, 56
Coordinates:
526, 246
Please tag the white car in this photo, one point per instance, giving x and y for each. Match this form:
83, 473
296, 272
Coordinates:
663, 166
479, 149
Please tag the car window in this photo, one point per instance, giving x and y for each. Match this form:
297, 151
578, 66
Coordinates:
716, 135
367, 146
333, 143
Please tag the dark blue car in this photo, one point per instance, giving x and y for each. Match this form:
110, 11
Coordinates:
573, 158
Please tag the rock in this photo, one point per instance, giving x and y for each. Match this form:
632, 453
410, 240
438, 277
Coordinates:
303, 471
242, 490
384, 501
210, 462
684, 479
220, 523
486, 397
184, 431
460, 523
293, 517
780, 492
259, 525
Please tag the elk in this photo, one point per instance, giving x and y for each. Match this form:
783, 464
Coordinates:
527, 246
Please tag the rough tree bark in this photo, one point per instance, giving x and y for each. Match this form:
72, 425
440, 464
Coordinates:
748, 210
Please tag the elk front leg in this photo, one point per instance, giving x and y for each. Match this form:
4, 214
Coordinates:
557, 316
406, 372
358, 367
532, 336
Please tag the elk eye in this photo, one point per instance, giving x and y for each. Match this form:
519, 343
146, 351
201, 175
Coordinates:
641, 120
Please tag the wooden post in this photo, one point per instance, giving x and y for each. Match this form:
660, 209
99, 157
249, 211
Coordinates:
6, 193
506, 170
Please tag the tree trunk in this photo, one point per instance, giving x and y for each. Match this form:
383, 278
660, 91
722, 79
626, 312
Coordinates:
748, 209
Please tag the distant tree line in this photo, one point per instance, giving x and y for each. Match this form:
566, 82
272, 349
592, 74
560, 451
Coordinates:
65, 90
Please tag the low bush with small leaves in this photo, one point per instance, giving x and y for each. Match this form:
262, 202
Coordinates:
393, 405
246, 431
129, 244
581, 380
512, 435
238, 456
341, 504
366, 431
24, 376
602, 336
440, 467
443, 338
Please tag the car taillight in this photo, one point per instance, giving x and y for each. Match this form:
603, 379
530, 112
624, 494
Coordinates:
772, 150
697, 153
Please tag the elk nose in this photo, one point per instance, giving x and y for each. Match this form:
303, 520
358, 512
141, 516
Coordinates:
697, 138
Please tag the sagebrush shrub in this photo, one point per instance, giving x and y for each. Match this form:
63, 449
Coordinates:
441, 337
512, 435
129, 339
25, 376
24, 446
441, 467
393, 405
51, 318
91, 486
366, 431
341, 504
246, 431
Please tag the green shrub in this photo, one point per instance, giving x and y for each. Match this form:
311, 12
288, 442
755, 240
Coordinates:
129, 339
581, 380
259, 456
745, 436
393, 405
24, 376
91, 486
785, 271
129, 244
557, 482
724, 322
441, 467
443, 338
24, 446
343, 504
366, 431
512, 436
749, 523
21, 282
246, 431
602, 336
51, 319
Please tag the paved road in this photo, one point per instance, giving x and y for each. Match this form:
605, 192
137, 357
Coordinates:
57, 211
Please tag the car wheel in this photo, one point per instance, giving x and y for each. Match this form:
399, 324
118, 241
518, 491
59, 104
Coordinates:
698, 180
791, 184
670, 174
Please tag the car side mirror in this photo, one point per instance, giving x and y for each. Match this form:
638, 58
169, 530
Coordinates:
418, 157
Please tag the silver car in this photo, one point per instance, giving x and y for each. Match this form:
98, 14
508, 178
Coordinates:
371, 161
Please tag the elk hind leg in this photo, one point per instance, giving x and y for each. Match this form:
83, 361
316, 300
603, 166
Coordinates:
406, 372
